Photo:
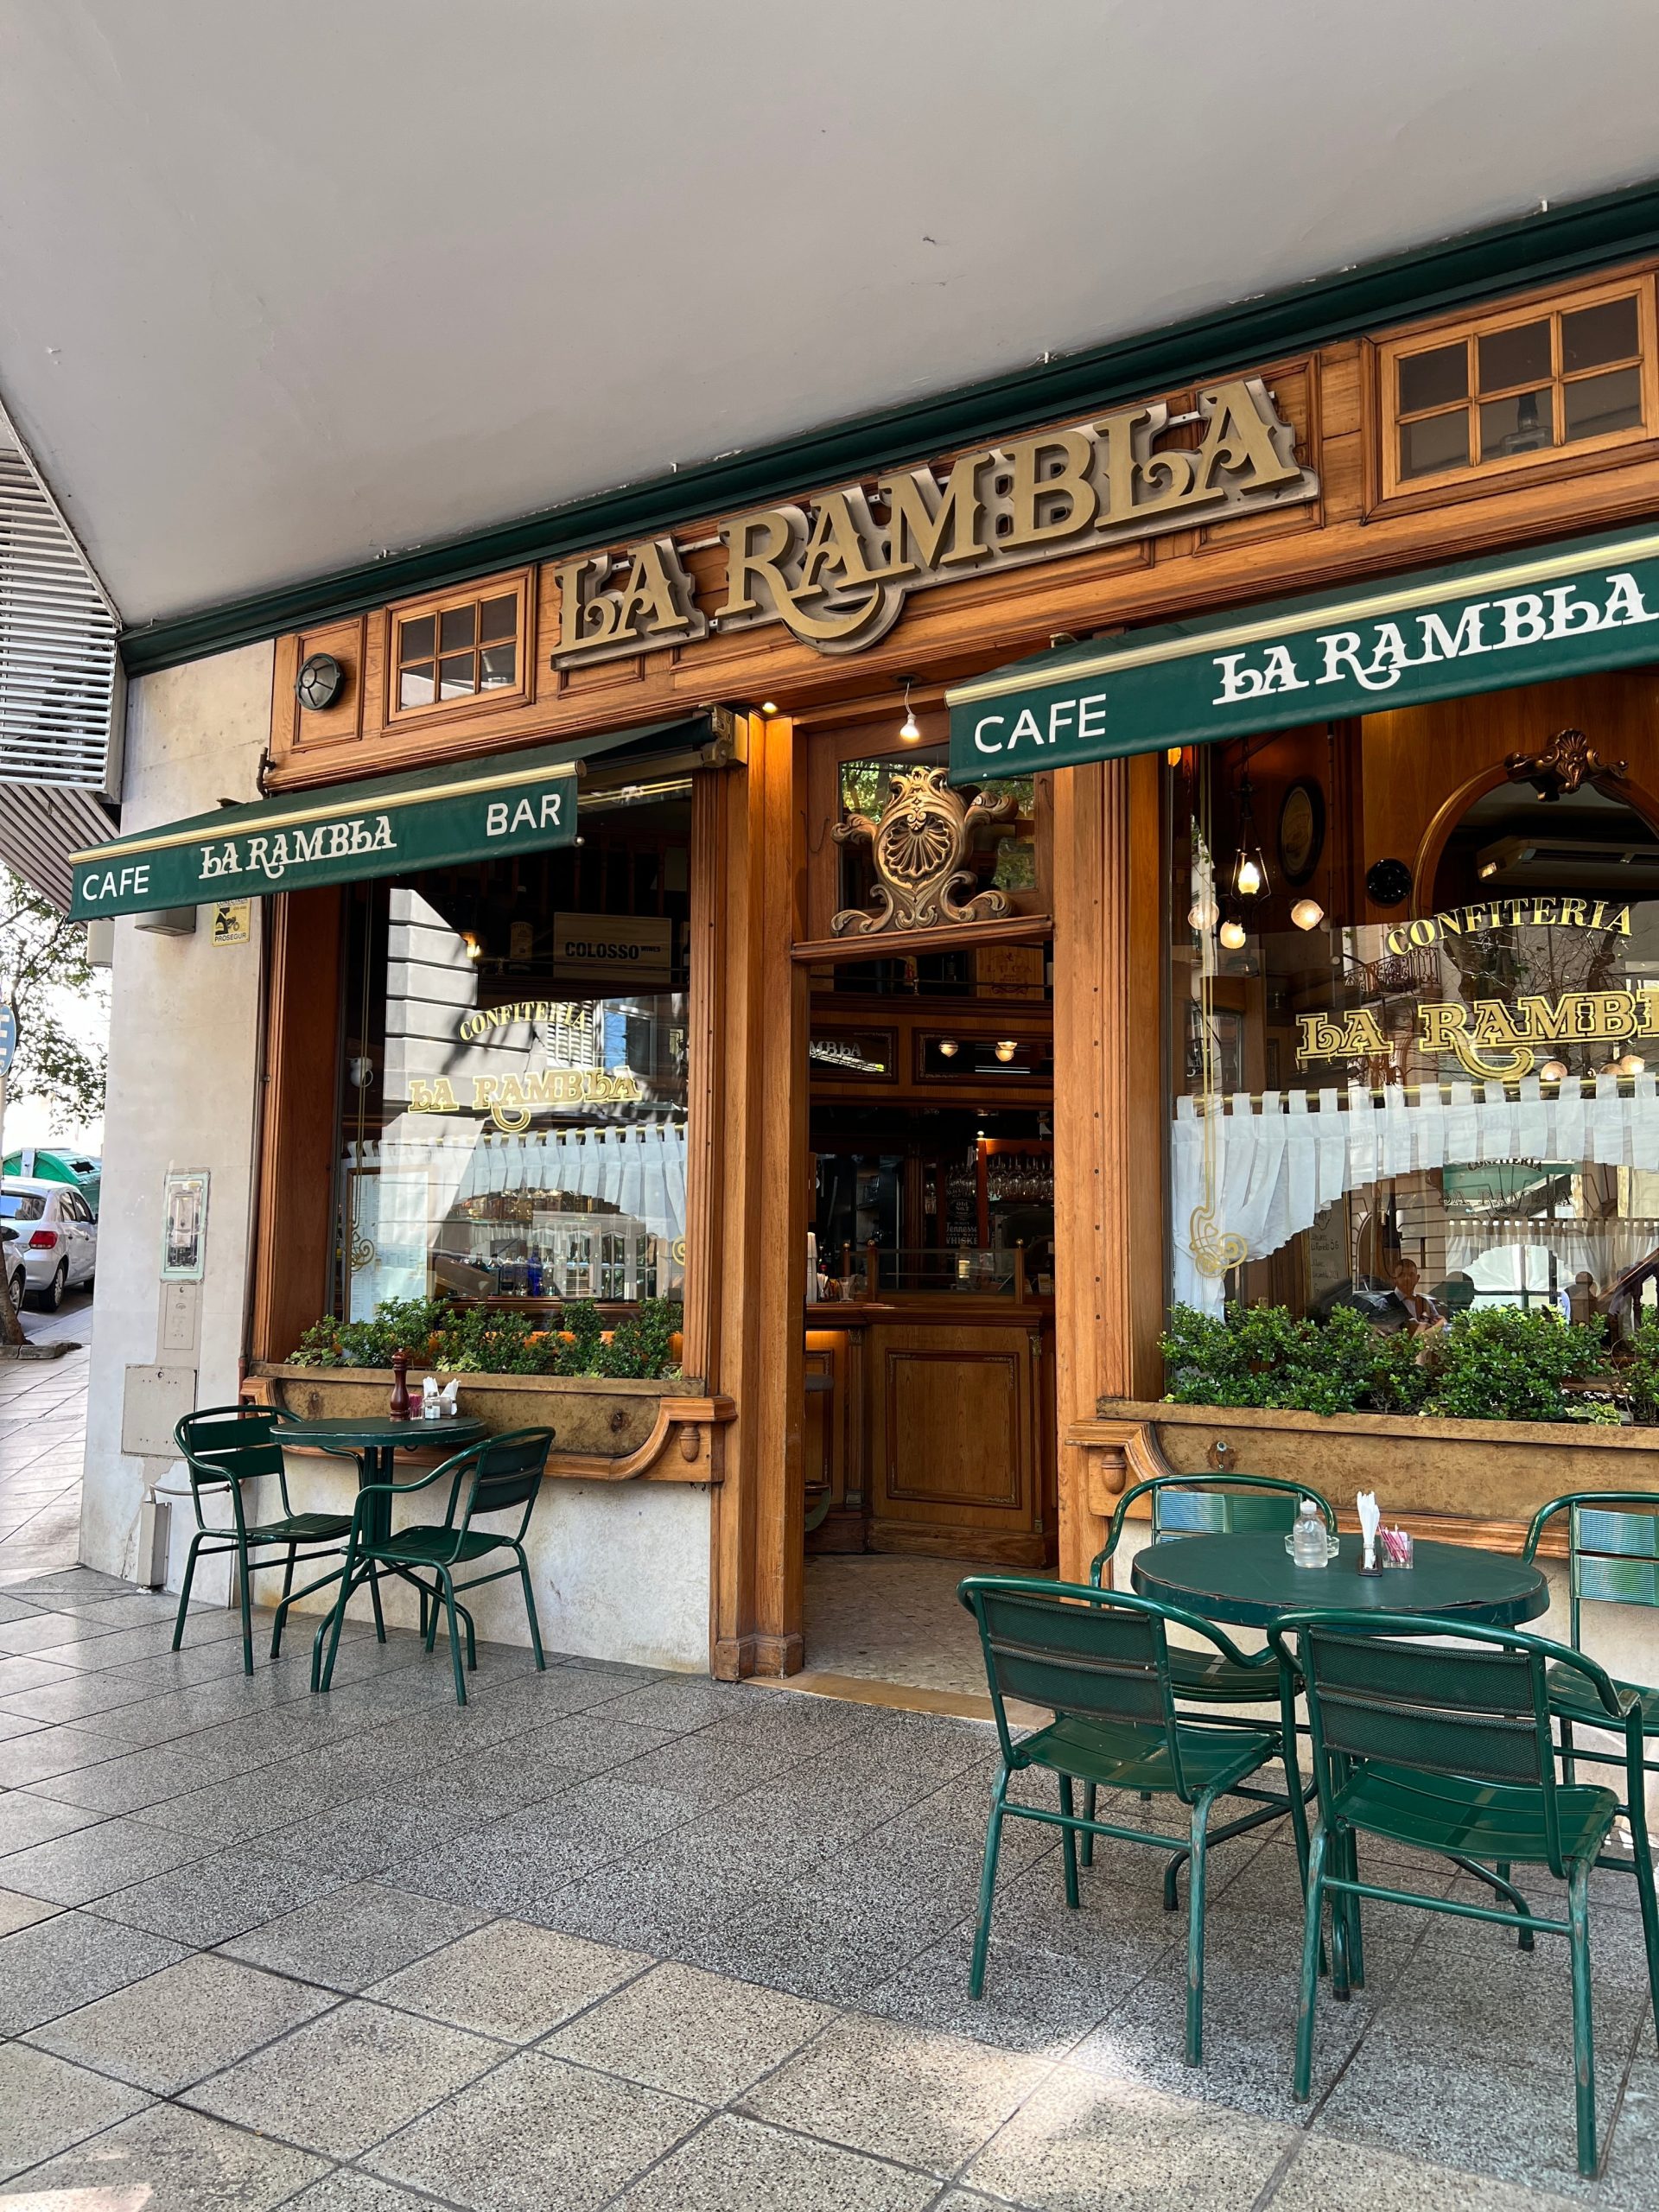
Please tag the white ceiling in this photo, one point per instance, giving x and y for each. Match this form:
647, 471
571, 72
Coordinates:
284, 284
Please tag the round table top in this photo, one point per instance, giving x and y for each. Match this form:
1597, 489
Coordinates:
1249, 1580
379, 1432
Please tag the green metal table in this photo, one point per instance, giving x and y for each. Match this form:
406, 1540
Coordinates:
375, 1439
1249, 1580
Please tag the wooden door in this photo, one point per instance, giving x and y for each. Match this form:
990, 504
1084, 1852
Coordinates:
957, 1441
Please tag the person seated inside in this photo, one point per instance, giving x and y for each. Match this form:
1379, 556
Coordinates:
1420, 1310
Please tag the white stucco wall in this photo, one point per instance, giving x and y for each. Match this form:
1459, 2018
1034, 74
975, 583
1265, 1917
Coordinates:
184, 1037
621, 1571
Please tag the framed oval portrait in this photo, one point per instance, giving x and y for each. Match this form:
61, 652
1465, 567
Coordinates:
1301, 830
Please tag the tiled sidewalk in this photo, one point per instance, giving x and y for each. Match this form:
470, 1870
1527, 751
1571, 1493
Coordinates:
606, 1938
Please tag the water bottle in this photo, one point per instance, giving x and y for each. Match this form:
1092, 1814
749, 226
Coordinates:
1307, 1544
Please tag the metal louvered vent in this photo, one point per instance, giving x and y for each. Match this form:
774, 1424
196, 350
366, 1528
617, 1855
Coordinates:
60, 684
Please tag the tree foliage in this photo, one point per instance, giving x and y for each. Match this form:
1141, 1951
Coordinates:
43, 964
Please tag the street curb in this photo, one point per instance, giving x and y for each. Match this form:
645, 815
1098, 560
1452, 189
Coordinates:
36, 1351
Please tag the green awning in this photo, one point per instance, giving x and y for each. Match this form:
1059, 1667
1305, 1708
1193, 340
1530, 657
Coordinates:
1440, 633
505, 803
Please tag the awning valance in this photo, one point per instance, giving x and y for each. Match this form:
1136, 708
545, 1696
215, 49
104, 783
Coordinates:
1440, 633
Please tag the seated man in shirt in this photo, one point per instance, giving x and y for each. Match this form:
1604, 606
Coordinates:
1421, 1311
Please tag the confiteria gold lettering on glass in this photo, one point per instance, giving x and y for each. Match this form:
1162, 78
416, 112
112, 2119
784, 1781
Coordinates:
836, 571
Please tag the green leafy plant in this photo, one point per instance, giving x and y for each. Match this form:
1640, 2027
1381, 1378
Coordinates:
1496, 1362
1638, 1372
493, 1340
1503, 1363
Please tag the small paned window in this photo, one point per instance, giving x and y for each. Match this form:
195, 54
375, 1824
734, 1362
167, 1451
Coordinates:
1498, 394
443, 656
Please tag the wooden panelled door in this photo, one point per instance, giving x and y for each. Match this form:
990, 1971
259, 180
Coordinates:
957, 1416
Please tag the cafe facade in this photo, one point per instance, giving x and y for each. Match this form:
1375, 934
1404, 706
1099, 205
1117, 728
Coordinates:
1175, 831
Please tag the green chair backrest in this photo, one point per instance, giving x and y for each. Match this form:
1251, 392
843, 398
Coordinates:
1613, 1547
226, 1446
507, 1470
1089, 1654
1200, 1505
1615, 1557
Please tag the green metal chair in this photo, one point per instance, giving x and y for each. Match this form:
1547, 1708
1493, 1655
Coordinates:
1613, 1556
1446, 1746
1099, 1661
496, 1476
223, 1447
1211, 1505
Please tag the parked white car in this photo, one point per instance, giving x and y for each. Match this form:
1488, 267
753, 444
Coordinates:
55, 1239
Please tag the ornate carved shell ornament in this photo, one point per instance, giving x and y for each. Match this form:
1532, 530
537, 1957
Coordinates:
918, 846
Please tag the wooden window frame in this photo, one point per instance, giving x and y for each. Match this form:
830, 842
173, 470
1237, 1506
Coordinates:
1561, 454
518, 585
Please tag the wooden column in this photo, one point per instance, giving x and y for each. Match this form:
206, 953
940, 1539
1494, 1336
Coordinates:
294, 1234
1109, 1112
746, 1197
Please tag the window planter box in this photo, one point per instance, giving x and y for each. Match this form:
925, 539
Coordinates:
605, 1429
1477, 1481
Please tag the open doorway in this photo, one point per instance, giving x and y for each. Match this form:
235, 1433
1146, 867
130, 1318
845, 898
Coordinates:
928, 1414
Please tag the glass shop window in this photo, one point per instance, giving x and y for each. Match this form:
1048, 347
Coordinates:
513, 1075
445, 653
1501, 392
1410, 1099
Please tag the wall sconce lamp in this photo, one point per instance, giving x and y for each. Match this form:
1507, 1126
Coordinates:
1307, 913
1232, 934
1006, 1050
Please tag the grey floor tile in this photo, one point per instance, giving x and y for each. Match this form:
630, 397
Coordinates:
511, 1979
524, 1865
17, 1724
734, 2162
676, 1702
1249, 2039
22, 1674
349, 2189
1630, 2174
534, 2133
48, 2105
353, 1937
1327, 2176
95, 1862
699, 2035
19, 1911
342, 2082
134, 1783
928, 2100
1485, 2115
49, 1750
366, 1835
165, 2032
207, 1900
1035, 2000
167, 2156
38, 1631
1081, 2143
27, 1818
1502, 2001
69, 1960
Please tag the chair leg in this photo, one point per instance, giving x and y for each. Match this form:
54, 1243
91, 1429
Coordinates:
1525, 1938
282, 1603
246, 1597
1584, 2050
530, 1609
322, 1671
1567, 1752
1356, 1934
1090, 1797
1645, 1891
988, 1887
1195, 1932
184, 1594
1312, 1920
1336, 1852
374, 1599
455, 1635
1293, 1777
1069, 1841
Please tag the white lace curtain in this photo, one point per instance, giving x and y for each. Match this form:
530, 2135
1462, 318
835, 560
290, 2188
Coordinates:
1275, 1165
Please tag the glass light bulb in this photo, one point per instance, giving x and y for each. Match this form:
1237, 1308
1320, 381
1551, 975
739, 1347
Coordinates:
1201, 916
947, 1048
1632, 1063
1232, 935
1307, 913
1553, 1071
1006, 1050
1248, 881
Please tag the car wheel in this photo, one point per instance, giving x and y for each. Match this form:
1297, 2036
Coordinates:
19, 1291
53, 1297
